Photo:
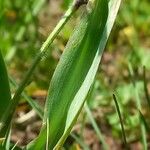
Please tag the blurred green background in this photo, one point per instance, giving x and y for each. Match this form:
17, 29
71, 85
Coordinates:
24, 25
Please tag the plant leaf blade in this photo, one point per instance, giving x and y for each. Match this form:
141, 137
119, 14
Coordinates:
75, 73
113, 9
5, 95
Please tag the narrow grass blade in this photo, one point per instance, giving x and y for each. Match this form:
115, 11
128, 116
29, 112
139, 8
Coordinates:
121, 121
38, 109
96, 128
5, 94
139, 107
37, 6
75, 73
15, 146
83, 145
145, 87
143, 120
6, 143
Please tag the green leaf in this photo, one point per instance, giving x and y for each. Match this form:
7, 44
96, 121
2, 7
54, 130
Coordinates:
5, 94
75, 74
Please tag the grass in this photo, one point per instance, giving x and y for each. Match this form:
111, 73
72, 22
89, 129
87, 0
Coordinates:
121, 122
139, 107
145, 86
23, 37
96, 128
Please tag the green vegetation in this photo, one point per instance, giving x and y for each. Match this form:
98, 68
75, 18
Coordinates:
67, 66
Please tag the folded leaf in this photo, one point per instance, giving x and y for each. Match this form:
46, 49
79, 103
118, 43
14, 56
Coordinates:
75, 74
79, 100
